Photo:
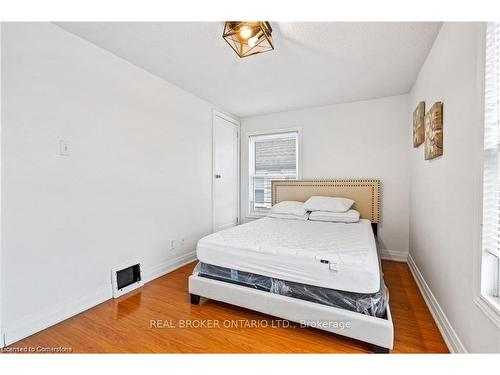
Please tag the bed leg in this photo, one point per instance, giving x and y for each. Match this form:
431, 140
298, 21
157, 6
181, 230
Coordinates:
195, 299
380, 350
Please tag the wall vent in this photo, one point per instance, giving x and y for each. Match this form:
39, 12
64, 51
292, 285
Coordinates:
126, 278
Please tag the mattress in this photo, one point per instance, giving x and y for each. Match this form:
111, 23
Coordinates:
374, 304
341, 256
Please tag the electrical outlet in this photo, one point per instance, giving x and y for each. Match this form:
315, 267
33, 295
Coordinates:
177, 243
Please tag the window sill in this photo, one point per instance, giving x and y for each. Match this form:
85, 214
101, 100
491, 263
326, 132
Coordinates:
490, 306
255, 215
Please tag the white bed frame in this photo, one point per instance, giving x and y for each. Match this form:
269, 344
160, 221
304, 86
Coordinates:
377, 331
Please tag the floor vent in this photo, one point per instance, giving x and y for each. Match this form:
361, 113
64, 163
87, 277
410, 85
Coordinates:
125, 279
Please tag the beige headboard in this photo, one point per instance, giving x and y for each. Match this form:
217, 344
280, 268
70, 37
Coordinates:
366, 193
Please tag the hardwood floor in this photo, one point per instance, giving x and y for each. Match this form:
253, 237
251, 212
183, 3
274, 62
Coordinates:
124, 325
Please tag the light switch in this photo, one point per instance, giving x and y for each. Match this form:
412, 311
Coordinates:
63, 147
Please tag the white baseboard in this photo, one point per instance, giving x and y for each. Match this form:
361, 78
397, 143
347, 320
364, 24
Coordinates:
396, 256
449, 335
170, 265
37, 322
40, 321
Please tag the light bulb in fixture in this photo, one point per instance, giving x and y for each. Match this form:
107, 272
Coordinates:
245, 32
248, 38
253, 41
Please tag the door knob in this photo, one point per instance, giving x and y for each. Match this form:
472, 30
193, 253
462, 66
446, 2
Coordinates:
217, 176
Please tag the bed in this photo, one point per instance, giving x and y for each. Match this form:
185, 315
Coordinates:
291, 270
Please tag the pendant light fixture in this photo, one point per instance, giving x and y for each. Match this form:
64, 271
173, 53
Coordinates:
248, 38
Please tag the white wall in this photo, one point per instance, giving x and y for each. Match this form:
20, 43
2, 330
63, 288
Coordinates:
138, 176
367, 139
444, 204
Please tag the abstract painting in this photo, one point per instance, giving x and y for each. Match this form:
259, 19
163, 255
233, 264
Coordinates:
434, 131
418, 124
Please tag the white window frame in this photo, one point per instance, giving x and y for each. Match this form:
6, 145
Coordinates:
484, 298
249, 213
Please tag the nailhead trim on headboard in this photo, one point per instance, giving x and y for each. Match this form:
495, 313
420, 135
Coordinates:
371, 183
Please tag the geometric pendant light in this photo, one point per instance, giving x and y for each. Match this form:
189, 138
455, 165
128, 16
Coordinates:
248, 38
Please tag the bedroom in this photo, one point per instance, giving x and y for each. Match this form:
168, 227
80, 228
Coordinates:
165, 189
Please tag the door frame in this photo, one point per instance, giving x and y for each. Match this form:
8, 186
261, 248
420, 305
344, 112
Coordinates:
236, 122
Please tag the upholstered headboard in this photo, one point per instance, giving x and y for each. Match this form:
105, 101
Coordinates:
365, 193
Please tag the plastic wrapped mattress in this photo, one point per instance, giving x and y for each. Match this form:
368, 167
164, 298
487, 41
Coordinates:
329, 255
373, 304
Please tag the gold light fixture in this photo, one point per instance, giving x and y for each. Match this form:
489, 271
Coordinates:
248, 38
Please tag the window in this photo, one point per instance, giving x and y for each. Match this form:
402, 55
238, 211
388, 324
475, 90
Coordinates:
491, 162
271, 157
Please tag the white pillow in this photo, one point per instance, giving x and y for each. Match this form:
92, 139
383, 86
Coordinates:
351, 216
289, 216
289, 207
332, 204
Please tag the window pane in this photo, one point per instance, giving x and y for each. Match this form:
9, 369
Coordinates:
275, 155
491, 157
271, 157
262, 190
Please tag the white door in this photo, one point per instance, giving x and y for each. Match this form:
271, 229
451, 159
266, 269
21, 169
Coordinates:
225, 172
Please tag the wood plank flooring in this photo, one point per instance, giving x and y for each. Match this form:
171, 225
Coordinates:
124, 325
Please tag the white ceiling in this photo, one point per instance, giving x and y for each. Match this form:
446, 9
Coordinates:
313, 64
